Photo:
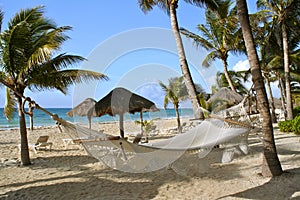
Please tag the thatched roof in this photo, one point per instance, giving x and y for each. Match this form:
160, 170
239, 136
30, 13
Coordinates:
226, 94
83, 108
120, 101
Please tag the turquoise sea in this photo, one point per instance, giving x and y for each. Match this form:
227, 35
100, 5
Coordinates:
42, 119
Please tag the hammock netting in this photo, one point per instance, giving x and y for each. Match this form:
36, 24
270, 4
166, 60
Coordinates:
214, 137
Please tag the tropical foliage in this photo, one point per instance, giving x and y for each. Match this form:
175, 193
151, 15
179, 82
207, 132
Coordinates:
220, 35
170, 7
285, 22
175, 92
31, 59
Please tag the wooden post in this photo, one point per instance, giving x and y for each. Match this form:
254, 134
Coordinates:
121, 125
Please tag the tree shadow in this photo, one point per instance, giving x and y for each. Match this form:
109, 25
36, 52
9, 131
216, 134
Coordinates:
90, 188
288, 181
102, 182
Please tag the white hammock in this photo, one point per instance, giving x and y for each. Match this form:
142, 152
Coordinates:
129, 157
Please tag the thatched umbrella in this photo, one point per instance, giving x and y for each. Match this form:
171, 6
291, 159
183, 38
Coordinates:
228, 95
224, 98
83, 108
120, 101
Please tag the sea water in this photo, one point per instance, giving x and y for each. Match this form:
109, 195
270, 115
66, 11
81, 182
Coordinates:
42, 119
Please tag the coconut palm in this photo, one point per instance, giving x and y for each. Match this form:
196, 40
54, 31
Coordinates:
220, 35
237, 77
175, 92
285, 17
272, 58
30, 59
271, 165
170, 6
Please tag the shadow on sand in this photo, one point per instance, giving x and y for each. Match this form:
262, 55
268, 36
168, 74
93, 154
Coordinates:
290, 179
84, 182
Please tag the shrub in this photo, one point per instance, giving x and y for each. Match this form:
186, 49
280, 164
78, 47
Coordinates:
290, 125
296, 125
286, 126
296, 111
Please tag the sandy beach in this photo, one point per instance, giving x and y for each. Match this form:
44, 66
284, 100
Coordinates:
69, 173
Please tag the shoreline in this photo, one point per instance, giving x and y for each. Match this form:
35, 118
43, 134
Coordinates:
47, 126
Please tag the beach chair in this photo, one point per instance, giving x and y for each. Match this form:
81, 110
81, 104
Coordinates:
42, 142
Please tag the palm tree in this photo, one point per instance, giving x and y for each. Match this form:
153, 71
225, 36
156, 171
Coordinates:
220, 35
272, 57
170, 6
285, 17
238, 78
271, 165
29, 60
146, 127
175, 92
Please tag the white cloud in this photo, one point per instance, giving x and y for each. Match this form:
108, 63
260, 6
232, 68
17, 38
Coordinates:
241, 65
152, 92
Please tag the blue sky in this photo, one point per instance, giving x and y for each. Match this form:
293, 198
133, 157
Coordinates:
98, 23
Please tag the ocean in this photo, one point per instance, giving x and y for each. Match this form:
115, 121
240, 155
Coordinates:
40, 119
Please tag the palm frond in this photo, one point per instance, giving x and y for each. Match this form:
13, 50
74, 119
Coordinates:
210, 4
166, 101
210, 58
10, 104
30, 15
197, 40
62, 79
146, 5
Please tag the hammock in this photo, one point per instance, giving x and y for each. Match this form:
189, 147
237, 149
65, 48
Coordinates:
120, 154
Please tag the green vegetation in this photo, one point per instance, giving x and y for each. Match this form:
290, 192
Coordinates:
296, 111
31, 60
290, 125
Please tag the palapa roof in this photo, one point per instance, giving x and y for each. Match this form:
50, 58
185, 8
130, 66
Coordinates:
228, 95
120, 101
83, 108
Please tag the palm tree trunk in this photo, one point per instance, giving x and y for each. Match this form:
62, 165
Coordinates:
30, 111
183, 63
289, 104
271, 165
178, 119
25, 159
227, 75
282, 94
273, 115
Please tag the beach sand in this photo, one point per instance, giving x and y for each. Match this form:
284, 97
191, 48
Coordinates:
71, 174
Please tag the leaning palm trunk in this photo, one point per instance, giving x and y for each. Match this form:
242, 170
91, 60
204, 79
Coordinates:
25, 159
30, 112
271, 165
183, 63
273, 115
227, 75
179, 128
289, 105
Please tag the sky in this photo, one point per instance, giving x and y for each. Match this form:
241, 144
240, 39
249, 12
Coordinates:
135, 50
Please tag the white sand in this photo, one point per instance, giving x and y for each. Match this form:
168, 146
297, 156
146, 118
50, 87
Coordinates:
72, 174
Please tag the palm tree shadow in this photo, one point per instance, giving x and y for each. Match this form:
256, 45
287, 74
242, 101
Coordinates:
97, 183
287, 182
90, 188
